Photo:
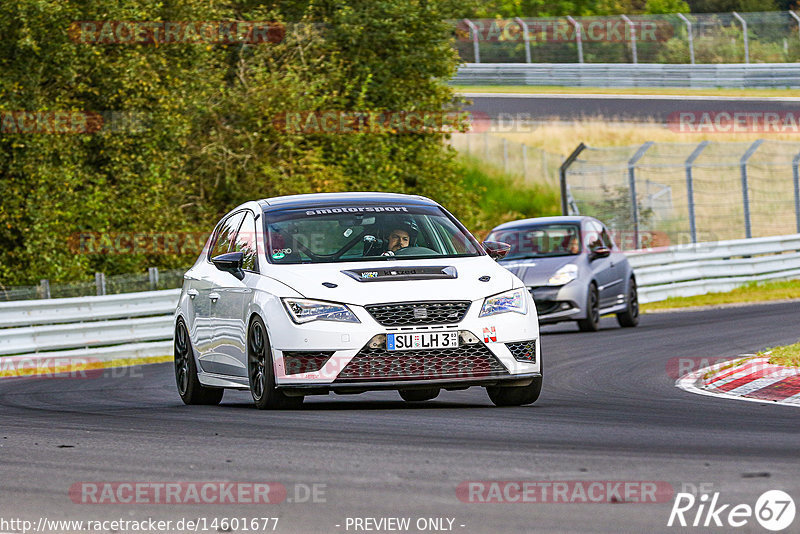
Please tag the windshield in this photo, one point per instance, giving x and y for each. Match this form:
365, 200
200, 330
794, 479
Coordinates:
364, 232
540, 241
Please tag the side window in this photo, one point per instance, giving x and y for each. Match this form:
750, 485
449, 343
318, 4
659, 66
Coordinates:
226, 235
246, 242
593, 235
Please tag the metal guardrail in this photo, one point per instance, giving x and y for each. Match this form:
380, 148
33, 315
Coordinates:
766, 75
697, 269
139, 325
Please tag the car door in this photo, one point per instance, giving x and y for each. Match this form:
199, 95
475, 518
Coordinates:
234, 302
602, 272
208, 295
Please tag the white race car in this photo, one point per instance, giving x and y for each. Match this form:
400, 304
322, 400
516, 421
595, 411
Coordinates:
352, 292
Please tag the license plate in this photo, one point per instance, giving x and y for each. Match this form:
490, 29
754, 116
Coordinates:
421, 341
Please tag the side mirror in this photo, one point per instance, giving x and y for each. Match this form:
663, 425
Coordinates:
495, 249
230, 263
599, 252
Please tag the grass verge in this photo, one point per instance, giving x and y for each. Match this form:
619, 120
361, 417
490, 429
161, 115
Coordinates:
752, 292
503, 197
550, 89
788, 355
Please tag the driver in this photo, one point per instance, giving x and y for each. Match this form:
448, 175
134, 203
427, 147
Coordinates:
403, 234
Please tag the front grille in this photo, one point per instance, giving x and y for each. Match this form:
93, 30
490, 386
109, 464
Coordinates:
419, 313
296, 362
466, 361
523, 351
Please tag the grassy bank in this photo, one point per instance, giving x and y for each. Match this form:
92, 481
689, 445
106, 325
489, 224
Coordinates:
788, 355
752, 292
502, 197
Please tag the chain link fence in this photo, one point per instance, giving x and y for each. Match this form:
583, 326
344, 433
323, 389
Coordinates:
101, 285
759, 37
531, 164
659, 194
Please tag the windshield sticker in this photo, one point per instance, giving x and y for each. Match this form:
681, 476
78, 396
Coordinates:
278, 256
358, 209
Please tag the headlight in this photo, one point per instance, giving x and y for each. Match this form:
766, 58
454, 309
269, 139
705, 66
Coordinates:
510, 301
304, 311
564, 275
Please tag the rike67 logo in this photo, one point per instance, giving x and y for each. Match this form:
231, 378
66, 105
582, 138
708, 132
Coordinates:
774, 510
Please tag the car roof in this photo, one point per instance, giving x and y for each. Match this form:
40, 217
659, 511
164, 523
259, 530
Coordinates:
331, 199
522, 223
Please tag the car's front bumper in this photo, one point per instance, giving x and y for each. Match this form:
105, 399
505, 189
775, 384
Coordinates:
559, 303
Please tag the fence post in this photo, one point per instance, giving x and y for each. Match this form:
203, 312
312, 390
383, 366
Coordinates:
475, 44
744, 32
100, 283
745, 194
524, 161
632, 29
690, 187
796, 175
527, 37
632, 185
797, 18
691, 37
44, 288
563, 176
152, 273
578, 37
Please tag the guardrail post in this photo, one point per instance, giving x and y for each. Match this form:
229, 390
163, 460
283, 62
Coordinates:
797, 18
526, 36
578, 37
152, 273
691, 37
746, 40
100, 283
563, 176
476, 47
690, 187
745, 194
44, 289
632, 185
796, 176
632, 29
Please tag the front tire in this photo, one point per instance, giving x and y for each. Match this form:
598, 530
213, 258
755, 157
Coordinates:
516, 396
419, 395
261, 374
189, 387
630, 317
592, 321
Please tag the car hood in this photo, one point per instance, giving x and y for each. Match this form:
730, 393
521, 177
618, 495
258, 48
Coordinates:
537, 271
363, 283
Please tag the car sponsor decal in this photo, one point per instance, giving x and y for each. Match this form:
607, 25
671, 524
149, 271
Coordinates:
402, 273
489, 334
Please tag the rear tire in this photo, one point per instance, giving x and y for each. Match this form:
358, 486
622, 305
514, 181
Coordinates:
516, 396
419, 395
592, 321
261, 374
189, 387
630, 317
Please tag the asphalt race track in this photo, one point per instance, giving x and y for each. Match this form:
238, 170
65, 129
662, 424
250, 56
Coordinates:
634, 108
609, 411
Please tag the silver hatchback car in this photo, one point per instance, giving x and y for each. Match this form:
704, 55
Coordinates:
573, 269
